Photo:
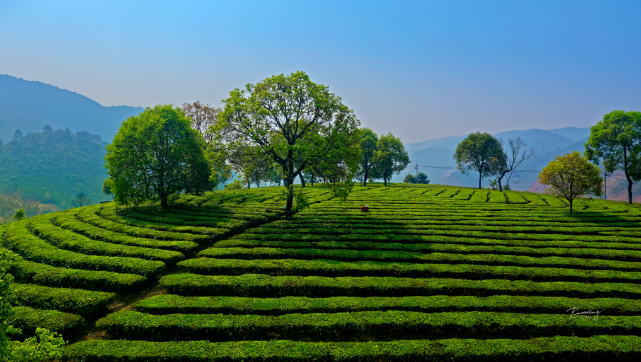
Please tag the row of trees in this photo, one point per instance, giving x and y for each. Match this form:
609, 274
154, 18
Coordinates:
489, 156
615, 142
282, 128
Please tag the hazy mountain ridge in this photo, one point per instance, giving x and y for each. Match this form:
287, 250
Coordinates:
30, 105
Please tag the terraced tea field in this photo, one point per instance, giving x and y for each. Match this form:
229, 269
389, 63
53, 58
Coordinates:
430, 273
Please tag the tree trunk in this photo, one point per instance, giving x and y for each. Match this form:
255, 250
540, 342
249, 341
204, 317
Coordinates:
312, 178
163, 202
302, 179
366, 174
258, 184
480, 179
571, 205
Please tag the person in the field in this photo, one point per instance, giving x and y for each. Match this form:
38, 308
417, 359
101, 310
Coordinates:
365, 208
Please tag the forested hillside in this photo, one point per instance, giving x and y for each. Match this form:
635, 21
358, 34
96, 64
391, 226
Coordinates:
53, 166
29, 106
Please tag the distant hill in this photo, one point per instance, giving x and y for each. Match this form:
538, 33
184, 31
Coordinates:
52, 167
29, 106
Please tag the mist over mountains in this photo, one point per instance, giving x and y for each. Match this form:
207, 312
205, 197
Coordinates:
30, 105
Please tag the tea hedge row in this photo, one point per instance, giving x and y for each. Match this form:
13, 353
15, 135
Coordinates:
28, 319
30, 272
332, 268
105, 221
68, 221
627, 255
170, 303
69, 240
381, 325
21, 241
259, 285
559, 348
404, 256
77, 301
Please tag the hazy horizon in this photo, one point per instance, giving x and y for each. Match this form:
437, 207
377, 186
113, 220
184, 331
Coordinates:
421, 70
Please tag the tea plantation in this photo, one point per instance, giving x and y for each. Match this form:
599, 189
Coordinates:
430, 273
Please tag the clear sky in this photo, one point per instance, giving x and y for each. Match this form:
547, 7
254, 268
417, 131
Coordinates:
421, 70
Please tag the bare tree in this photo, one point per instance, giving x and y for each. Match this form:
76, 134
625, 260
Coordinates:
203, 116
517, 154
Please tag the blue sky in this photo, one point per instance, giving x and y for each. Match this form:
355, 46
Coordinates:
421, 70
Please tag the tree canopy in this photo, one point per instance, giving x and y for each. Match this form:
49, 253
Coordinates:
420, 179
369, 141
480, 152
156, 155
616, 139
390, 157
571, 176
292, 120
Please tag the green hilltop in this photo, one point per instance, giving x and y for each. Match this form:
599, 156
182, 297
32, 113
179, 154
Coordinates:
429, 273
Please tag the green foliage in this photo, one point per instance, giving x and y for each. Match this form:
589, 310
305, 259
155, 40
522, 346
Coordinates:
479, 152
390, 157
6, 258
616, 139
170, 304
44, 346
19, 215
78, 301
324, 130
53, 167
106, 187
156, 155
571, 176
20, 240
236, 185
411, 179
29, 320
259, 285
369, 142
527, 269
605, 348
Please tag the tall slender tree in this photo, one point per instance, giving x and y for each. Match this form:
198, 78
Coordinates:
369, 140
616, 139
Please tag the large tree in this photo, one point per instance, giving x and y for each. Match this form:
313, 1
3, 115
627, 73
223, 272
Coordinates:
571, 176
517, 155
617, 140
156, 155
390, 157
290, 119
480, 152
369, 140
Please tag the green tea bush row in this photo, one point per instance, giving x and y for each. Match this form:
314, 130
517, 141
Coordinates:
30, 272
68, 240
260, 285
213, 228
28, 319
135, 231
381, 325
146, 223
77, 301
370, 268
442, 227
558, 348
404, 256
170, 303
21, 241
603, 242
69, 222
